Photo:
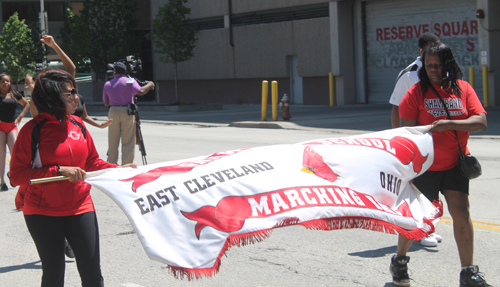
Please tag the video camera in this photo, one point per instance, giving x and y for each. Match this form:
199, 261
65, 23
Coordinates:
133, 66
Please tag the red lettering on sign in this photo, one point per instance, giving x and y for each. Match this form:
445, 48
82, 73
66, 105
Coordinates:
417, 31
455, 30
446, 29
386, 33
471, 45
378, 31
409, 32
401, 31
437, 29
440, 29
473, 27
425, 28
394, 31
465, 28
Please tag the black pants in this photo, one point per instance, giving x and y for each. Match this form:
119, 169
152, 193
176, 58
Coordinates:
82, 233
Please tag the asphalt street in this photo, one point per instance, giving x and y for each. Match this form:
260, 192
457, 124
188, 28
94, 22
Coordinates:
291, 256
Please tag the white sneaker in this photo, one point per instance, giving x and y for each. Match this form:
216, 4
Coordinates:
429, 241
438, 237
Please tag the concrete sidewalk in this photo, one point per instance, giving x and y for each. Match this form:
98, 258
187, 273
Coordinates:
358, 118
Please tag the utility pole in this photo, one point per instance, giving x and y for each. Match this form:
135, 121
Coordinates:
44, 29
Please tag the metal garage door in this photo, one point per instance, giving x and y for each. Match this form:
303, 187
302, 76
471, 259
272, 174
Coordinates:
392, 31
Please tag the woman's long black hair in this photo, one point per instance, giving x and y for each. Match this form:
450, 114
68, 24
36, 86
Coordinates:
452, 72
11, 88
48, 92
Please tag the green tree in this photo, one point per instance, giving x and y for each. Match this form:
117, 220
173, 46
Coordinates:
73, 36
173, 36
102, 33
16, 49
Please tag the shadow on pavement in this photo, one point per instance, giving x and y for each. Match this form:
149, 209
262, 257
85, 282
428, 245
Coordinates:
382, 252
32, 265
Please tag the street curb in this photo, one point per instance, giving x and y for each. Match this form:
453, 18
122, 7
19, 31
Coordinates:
163, 108
254, 124
249, 124
293, 126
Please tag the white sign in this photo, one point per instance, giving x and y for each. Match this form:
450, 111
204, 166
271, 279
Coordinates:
484, 57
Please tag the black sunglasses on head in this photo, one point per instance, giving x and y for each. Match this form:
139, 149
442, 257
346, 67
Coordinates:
72, 92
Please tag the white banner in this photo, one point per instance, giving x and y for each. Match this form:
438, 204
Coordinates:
188, 213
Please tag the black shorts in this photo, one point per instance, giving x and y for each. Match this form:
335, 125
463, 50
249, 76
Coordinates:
432, 182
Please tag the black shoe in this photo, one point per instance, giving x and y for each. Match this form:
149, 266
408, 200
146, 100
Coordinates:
8, 176
399, 271
68, 250
4, 187
470, 277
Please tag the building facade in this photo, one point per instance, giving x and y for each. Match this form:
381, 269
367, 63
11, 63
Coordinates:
364, 43
297, 43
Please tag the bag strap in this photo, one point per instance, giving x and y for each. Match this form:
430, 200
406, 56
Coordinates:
35, 139
35, 135
449, 116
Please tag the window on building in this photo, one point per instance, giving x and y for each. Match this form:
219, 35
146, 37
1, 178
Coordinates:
76, 7
265, 17
55, 10
22, 9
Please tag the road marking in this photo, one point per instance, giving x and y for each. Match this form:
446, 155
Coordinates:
475, 224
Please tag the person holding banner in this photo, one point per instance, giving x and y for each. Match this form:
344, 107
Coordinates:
405, 80
440, 82
57, 210
81, 110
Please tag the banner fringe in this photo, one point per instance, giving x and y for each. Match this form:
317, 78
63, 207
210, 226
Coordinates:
326, 224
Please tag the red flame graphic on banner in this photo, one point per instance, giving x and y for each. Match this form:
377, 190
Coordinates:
183, 167
407, 151
315, 164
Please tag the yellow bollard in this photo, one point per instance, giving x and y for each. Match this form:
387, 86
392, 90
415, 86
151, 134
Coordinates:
274, 99
472, 79
486, 101
265, 92
332, 89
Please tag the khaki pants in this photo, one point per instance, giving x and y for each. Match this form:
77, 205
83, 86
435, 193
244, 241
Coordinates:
123, 126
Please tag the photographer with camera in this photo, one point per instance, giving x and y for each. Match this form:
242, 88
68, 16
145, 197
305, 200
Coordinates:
118, 94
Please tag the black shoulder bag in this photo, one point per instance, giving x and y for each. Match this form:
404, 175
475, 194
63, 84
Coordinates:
468, 165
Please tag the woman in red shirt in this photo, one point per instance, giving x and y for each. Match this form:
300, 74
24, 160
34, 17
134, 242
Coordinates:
58, 210
422, 106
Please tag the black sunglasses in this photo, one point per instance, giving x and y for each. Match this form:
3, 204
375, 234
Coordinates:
72, 92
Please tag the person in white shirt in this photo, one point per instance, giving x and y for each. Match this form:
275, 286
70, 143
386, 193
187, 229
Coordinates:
405, 80
409, 77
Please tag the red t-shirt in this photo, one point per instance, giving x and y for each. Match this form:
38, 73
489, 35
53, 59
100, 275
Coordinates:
426, 109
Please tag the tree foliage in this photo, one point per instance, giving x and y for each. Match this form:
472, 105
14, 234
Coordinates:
16, 48
172, 34
102, 33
